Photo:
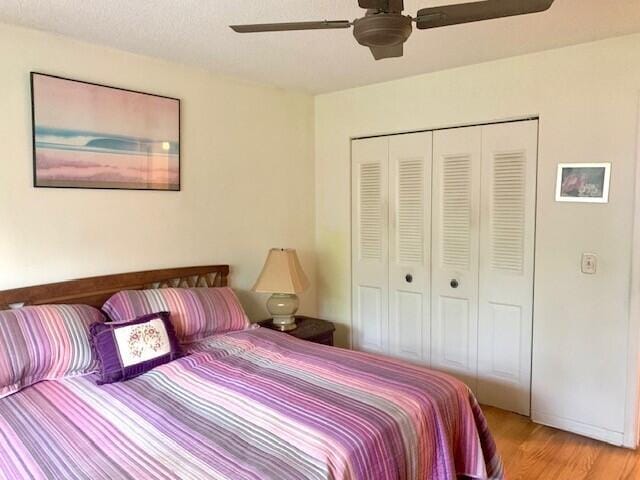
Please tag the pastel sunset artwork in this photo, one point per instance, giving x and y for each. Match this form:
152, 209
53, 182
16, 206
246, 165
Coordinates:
93, 136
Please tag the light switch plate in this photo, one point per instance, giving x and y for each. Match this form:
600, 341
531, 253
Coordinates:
589, 263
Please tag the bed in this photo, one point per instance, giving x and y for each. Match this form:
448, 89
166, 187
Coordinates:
249, 404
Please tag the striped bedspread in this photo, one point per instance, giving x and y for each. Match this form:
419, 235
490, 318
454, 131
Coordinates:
253, 404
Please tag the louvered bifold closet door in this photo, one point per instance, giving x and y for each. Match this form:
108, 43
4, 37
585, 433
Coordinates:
506, 264
409, 245
455, 240
370, 252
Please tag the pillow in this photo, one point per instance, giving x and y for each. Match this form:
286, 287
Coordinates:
45, 342
128, 349
196, 313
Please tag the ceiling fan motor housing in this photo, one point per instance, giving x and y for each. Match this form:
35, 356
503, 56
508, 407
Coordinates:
382, 29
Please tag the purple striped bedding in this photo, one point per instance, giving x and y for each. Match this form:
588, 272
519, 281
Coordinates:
252, 404
45, 342
196, 313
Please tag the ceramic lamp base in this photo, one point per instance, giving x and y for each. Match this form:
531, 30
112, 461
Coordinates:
282, 307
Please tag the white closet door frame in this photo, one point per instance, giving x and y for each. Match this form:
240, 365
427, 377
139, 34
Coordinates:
370, 244
455, 250
507, 233
409, 246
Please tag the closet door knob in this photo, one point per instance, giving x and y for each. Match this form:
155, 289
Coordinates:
408, 277
454, 283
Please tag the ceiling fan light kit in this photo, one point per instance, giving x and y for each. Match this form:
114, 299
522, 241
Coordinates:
384, 29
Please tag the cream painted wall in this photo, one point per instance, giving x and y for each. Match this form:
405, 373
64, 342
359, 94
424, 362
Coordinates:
587, 100
247, 176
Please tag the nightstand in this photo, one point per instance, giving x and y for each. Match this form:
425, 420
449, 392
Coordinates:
311, 329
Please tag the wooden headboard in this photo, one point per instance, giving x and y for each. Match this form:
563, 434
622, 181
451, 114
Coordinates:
96, 290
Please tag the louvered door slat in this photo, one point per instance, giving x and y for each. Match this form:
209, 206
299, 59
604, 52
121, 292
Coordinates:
370, 211
456, 210
507, 211
410, 210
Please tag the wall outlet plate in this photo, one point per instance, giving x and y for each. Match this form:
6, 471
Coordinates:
589, 263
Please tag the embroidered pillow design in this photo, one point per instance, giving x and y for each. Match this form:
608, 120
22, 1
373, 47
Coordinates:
139, 343
126, 350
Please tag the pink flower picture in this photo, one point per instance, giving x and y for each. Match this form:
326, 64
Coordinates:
583, 182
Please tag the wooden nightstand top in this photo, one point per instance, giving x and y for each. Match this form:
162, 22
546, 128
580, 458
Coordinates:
309, 328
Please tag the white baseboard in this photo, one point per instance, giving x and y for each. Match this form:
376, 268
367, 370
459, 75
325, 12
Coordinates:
609, 436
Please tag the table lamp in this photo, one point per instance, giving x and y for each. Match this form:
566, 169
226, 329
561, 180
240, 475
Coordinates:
282, 276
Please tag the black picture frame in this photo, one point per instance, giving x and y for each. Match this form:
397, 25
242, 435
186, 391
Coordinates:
37, 184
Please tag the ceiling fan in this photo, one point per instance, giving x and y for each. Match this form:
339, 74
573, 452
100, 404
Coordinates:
384, 28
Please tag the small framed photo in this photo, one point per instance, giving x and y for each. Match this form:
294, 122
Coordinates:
583, 182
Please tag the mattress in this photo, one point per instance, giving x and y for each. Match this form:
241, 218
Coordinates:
252, 404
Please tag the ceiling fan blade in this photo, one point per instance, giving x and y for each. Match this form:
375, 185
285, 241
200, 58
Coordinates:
284, 27
396, 6
380, 53
476, 11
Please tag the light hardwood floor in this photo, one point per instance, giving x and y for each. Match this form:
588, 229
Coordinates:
536, 452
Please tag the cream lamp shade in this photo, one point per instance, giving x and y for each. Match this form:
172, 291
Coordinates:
282, 276
282, 273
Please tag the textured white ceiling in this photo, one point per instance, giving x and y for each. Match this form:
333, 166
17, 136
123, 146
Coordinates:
195, 32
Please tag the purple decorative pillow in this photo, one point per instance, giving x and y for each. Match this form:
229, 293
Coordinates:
45, 342
196, 313
126, 350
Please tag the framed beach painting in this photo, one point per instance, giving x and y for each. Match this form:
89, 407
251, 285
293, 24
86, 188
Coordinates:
87, 135
583, 182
